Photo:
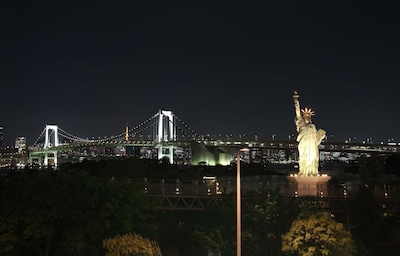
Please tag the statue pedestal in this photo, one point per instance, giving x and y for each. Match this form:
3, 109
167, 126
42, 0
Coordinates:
309, 185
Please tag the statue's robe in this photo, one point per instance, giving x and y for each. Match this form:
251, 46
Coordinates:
309, 139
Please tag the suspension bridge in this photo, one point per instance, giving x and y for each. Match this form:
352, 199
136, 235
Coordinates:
165, 136
163, 131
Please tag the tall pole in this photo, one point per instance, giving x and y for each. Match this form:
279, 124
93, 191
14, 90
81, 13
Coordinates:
238, 208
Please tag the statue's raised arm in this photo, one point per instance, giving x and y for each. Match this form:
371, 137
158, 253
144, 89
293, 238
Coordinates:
297, 104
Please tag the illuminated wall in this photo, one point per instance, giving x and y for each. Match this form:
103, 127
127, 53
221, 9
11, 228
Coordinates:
203, 155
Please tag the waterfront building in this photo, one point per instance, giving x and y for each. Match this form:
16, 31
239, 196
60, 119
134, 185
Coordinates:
20, 144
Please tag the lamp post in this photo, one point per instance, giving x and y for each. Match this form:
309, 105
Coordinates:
238, 204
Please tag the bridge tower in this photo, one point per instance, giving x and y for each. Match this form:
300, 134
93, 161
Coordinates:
47, 155
166, 132
50, 140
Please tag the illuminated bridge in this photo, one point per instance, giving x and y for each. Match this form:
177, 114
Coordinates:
165, 136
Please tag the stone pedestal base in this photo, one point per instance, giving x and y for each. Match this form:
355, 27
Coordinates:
309, 185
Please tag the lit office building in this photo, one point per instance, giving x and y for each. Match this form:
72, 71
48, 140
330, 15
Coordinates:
20, 144
1, 137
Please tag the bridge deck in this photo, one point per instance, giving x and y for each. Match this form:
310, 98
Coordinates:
325, 146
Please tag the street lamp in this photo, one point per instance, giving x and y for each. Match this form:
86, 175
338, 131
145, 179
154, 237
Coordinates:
238, 204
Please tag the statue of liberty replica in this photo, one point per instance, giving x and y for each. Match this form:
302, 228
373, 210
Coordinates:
309, 138
308, 181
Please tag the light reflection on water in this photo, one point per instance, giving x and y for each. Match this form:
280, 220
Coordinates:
228, 183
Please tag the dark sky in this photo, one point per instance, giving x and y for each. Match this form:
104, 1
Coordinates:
223, 67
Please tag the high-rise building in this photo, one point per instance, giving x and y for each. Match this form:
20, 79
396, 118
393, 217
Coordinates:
1, 137
20, 144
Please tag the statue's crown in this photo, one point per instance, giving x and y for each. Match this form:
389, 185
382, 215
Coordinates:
308, 111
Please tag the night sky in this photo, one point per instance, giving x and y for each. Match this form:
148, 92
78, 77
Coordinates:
223, 67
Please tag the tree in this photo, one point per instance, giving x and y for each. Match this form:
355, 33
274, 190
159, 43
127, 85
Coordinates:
68, 213
268, 216
265, 216
317, 235
371, 223
45, 211
131, 244
199, 232
211, 238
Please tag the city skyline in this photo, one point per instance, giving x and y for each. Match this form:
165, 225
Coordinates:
224, 136
223, 68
